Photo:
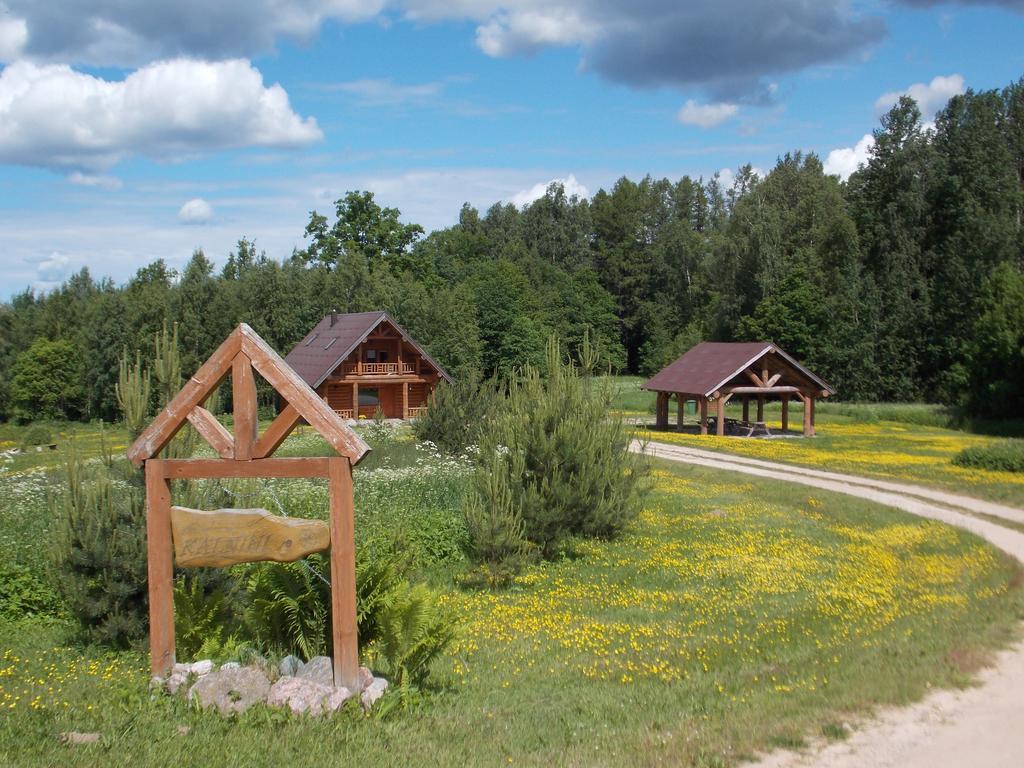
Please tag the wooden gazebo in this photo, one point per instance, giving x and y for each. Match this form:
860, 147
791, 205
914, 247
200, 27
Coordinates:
712, 373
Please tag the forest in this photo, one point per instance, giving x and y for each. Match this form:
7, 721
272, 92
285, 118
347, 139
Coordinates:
904, 283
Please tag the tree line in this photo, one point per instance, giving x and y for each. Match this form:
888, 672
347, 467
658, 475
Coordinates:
904, 283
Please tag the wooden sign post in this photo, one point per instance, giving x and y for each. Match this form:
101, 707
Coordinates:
230, 536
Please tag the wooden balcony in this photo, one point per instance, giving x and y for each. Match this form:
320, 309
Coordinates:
377, 369
416, 412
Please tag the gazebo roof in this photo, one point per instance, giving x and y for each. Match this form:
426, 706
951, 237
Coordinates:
711, 365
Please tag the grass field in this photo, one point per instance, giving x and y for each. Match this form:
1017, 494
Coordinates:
905, 442
722, 623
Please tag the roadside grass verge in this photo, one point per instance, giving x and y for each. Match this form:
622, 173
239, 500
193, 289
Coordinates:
730, 618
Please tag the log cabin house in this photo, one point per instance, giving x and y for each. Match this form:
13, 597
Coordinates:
712, 373
363, 361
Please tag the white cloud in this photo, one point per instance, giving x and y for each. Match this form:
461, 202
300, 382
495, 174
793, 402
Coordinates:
930, 97
727, 177
537, 191
51, 272
94, 180
529, 29
386, 92
706, 115
13, 36
54, 117
843, 162
195, 211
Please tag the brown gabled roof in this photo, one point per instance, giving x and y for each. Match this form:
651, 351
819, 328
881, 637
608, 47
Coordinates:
710, 365
335, 337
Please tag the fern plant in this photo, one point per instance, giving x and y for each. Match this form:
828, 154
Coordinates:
288, 606
412, 632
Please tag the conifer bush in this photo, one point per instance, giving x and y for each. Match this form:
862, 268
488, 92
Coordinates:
459, 413
99, 552
565, 456
494, 522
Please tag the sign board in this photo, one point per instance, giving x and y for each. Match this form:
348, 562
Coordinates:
229, 536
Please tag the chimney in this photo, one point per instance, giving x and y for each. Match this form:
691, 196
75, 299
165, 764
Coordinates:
334, 316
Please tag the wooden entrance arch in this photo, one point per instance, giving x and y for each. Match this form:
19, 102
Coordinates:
248, 453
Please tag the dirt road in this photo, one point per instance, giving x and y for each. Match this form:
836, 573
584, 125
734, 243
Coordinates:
976, 728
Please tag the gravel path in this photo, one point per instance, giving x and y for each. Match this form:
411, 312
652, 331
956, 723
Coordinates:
975, 728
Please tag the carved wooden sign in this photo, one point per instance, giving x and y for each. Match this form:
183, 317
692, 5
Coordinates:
229, 536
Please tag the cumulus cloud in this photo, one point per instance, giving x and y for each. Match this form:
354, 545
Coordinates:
52, 116
642, 44
51, 272
130, 33
706, 115
195, 211
571, 186
930, 97
844, 161
669, 43
13, 36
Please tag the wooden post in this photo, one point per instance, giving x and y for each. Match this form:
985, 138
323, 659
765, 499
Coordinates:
808, 423
703, 415
785, 412
405, 398
359, 358
661, 410
746, 407
160, 569
760, 407
680, 411
343, 575
814, 414
720, 416
243, 395
355, 400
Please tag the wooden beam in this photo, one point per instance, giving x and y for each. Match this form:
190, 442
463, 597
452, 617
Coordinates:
167, 423
197, 469
680, 411
760, 408
277, 432
243, 397
703, 415
160, 565
343, 575
773, 380
405, 398
746, 407
761, 390
808, 422
213, 432
720, 416
293, 389
785, 412
758, 381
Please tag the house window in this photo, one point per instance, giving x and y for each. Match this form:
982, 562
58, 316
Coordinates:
369, 398
382, 355
371, 355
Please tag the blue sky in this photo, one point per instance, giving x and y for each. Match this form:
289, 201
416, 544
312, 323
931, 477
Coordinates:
135, 130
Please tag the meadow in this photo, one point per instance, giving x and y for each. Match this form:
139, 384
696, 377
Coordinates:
722, 623
908, 442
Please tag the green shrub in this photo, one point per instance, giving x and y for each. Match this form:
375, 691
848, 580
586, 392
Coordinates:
458, 413
36, 434
99, 551
1006, 456
401, 625
23, 594
567, 458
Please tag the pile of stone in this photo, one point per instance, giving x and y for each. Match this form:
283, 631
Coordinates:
304, 688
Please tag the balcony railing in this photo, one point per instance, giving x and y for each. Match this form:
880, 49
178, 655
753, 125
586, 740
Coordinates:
416, 412
377, 368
